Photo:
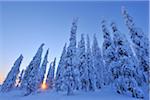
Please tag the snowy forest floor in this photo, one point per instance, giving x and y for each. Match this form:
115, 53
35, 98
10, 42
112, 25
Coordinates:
103, 94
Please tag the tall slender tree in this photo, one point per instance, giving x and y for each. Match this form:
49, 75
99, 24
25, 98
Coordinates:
42, 70
30, 79
83, 71
60, 71
71, 71
90, 67
10, 81
125, 71
140, 45
50, 76
20, 78
109, 54
98, 63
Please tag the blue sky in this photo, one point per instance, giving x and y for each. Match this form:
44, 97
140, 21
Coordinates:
25, 25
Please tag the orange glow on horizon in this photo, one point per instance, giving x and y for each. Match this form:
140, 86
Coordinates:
1, 79
44, 86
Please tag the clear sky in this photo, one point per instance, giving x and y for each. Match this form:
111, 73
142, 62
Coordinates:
25, 25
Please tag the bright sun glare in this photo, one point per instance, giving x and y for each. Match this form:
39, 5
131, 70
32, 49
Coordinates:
43, 86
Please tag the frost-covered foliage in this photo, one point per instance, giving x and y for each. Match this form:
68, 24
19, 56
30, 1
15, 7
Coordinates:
50, 75
98, 63
10, 81
109, 54
124, 71
89, 65
20, 78
83, 71
42, 70
60, 71
140, 45
30, 79
122, 64
71, 70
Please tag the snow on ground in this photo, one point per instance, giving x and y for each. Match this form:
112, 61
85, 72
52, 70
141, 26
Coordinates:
103, 94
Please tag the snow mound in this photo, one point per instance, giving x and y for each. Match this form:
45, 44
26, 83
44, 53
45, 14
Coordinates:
103, 94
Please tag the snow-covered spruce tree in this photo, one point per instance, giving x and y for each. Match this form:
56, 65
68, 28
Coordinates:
50, 75
98, 63
20, 78
140, 45
60, 71
109, 57
90, 67
10, 80
30, 79
42, 70
71, 70
125, 71
83, 71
